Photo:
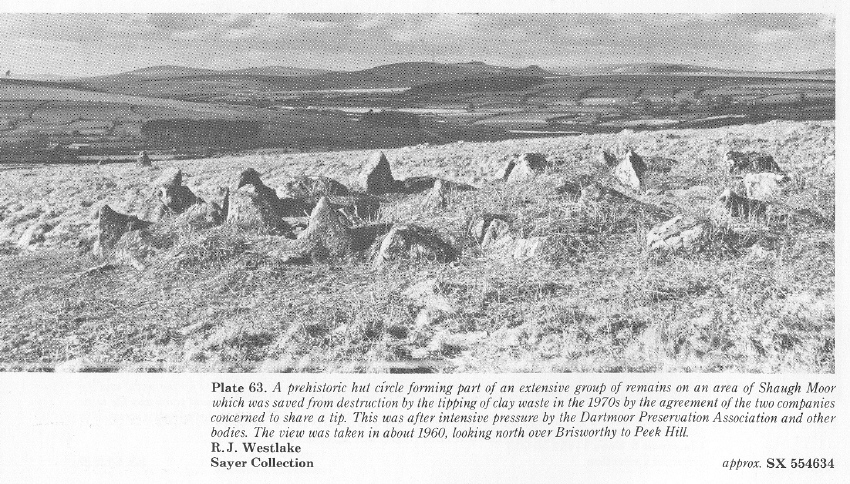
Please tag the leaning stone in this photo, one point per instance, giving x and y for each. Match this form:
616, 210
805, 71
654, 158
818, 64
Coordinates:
413, 242
764, 186
527, 167
376, 176
326, 235
679, 232
506, 169
111, 227
629, 171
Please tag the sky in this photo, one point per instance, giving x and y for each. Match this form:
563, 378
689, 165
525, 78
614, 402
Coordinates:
95, 44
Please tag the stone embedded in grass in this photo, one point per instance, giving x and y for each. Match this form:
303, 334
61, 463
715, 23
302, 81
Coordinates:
596, 193
750, 161
418, 184
680, 232
738, 206
376, 176
659, 164
765, 186
608, 158
496, 231
570, 188
35, 234
327, 235
437, 198
312, 188
111, 227
479, 228
176, 197
629, 172
523, 168
415, 243
143, 159
520, 248
203, 215
256, 207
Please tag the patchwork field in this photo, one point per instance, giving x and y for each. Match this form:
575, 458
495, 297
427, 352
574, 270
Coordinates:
760, 299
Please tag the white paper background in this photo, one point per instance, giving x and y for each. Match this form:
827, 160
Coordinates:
90, 428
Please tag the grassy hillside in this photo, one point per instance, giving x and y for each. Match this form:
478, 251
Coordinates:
220, 300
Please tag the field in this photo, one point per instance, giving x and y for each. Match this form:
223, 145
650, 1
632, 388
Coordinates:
759, 299
101, 118
35, 119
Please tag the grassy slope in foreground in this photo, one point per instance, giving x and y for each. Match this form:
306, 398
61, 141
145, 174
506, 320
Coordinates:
217, 302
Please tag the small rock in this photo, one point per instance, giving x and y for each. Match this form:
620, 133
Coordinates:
496, 231
143, 159
312, 188
738, 206
750, 161
764, 186
437, 198
679, 232
413, 242
34, 234
479, 226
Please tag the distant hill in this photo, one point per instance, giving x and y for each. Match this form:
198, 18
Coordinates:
175, 80
660, 68
828, 72
639, 68
285, 71
409, 74
169, 72
649, 68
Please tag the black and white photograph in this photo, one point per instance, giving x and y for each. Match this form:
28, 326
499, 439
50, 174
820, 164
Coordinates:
417, 192
455, 241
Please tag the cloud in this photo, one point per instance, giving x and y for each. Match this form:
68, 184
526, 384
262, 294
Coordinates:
772, 35
111, 42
